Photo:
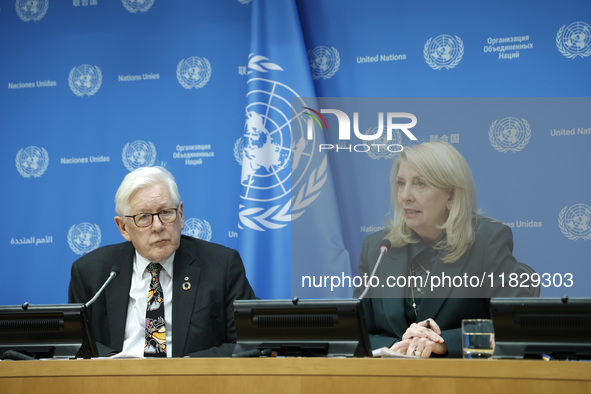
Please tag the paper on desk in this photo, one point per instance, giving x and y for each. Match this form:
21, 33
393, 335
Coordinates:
118, 356
387, 353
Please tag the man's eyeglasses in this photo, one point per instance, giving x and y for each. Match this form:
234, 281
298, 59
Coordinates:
145, 219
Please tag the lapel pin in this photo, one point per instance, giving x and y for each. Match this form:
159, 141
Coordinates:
187, 284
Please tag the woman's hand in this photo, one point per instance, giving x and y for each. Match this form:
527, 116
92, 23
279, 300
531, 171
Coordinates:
424, 329
421, 339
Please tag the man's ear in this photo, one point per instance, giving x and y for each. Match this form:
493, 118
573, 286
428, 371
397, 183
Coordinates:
182, 215
122, 226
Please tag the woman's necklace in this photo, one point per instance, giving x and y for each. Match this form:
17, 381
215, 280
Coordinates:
414, 304
412, 292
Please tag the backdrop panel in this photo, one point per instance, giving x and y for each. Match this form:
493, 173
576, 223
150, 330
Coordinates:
91, 89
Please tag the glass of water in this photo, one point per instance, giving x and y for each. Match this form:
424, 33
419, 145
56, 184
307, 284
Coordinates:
478, 338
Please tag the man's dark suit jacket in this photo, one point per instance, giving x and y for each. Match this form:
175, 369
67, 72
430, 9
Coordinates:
203, 323
384, 308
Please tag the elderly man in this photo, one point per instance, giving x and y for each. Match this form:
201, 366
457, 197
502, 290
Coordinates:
173, 296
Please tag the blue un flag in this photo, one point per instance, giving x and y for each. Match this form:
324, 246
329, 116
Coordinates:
290, 227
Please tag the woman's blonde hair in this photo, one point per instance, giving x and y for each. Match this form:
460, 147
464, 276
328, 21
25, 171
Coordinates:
444, 167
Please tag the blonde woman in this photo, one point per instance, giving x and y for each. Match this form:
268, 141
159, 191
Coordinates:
445, 260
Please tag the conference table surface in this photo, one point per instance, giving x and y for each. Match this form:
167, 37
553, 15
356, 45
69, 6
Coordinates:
294, 375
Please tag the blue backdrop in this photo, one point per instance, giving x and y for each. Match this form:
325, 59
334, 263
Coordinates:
91, 89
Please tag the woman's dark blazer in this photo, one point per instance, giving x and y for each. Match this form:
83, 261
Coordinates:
384, 307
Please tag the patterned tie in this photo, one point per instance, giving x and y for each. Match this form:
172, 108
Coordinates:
155, 345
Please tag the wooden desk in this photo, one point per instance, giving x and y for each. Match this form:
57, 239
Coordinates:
294, 375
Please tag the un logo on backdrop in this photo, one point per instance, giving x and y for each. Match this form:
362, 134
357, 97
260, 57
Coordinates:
324, 62
509, 134
198, 228
84, 237
574, 40
193, 72
134, 6
32, 161
575, 222
378, 148
29, 10
85, 80
138, 154
443, 51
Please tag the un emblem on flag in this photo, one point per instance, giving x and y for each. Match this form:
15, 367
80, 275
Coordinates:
85, 80
29, 10
509, 134
443, 51
134, 6
84, 237
193, 72
198, 228
138, 154
575, 222
280, 171
574, 40
32, 161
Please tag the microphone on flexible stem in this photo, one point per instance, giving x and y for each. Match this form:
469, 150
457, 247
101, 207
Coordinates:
384, 246
114, 272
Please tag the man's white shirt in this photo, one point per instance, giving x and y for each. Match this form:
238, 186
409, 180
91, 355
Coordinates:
135, 325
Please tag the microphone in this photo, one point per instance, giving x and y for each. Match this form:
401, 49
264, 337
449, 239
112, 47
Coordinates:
384, 246
114, 272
